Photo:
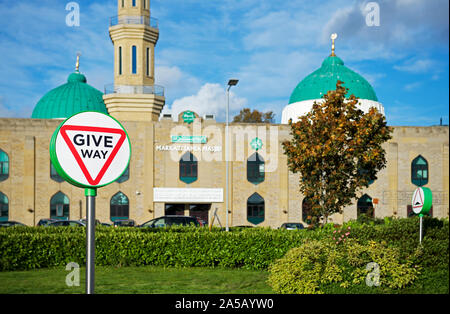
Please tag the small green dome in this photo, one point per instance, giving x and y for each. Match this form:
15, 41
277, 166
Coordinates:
70, 98
318, 83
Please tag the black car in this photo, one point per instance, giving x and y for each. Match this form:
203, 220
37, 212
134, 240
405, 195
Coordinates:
124, 223
10, 223
292, 226
171, 220
46, 221
67, 223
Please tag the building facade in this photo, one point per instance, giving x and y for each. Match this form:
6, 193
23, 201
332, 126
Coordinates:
178, 166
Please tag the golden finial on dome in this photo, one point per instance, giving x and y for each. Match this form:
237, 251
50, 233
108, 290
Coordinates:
77, 64
333, 37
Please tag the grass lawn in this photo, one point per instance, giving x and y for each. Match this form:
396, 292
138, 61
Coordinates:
160, 280
148, 279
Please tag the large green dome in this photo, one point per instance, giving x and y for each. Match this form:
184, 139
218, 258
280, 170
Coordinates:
70, 98
318, 83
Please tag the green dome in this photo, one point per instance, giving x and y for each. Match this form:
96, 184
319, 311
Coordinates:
318, 83
68, 99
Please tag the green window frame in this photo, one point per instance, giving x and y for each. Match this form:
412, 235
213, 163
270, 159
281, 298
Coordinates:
54, 174
419, 171
119, 207
188, 168
59, 206
255, 209
4, 165
255, 169
365, 206
4, 207
125, 175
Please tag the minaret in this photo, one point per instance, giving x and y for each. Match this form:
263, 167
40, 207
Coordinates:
133, 96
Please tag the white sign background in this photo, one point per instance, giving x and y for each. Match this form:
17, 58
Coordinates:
69, 163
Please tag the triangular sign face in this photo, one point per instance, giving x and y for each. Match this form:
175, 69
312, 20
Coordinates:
93, 148
417, 200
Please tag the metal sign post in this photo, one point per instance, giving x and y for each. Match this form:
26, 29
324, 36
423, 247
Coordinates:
90, 239
90, 150
420, 228
421, 204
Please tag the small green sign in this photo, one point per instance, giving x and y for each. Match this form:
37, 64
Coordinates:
256, 143
194, 139
188, 117
422, 200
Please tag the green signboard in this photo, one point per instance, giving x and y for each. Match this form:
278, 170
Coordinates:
188, 117
256, 143
194, 139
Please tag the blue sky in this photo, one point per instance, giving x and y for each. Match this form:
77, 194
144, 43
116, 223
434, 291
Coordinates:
270, 46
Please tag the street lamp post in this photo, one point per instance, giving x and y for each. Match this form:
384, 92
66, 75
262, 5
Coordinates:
231, 82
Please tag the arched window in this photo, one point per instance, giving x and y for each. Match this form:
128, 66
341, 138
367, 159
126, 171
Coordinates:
255, 169
4, 207
4, 165
59, 206
133, 60
125, 175
419, 171
119, 207
255, 209
147, 61
306, 211
188, 168
133, 2
365, 206
120, 60
54, 175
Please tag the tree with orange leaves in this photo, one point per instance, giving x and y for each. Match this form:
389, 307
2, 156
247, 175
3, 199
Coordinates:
337, 150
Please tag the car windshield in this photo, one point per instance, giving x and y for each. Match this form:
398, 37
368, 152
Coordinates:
293, 225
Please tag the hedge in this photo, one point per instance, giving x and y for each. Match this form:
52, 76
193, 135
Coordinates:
24, 248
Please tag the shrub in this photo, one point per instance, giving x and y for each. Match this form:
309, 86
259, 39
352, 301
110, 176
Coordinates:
307, 268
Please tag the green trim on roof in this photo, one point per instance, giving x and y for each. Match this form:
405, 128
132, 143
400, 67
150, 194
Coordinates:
70, 98
318, 83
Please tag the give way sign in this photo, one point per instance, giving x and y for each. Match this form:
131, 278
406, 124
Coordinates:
90, 149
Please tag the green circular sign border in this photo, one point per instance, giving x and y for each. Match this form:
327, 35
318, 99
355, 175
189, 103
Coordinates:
427, 202
57, 165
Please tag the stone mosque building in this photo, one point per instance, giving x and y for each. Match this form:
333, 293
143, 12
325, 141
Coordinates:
178, 165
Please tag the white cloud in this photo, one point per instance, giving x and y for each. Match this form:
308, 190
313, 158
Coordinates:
176, 83
416, 65
412, 86
210, 99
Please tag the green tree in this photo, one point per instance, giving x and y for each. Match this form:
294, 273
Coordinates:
255, 116
337, 150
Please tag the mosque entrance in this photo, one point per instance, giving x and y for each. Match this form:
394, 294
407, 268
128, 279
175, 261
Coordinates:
200, 211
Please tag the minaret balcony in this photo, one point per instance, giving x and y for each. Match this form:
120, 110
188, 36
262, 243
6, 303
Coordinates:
134, 89
143, 20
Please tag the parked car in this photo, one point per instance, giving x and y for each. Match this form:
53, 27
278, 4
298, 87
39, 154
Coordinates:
124, 223
84, 221
171, 220
292, 226
45, 222
67, 223
10, 223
